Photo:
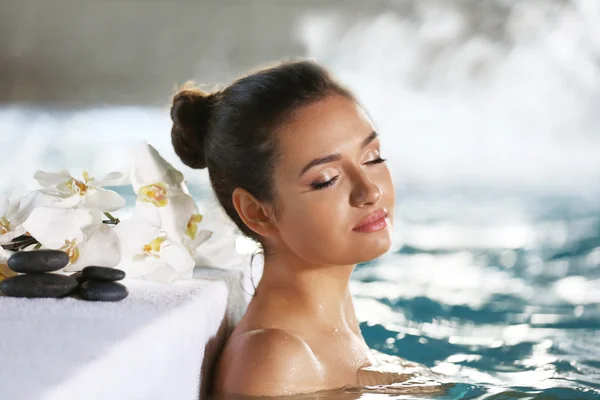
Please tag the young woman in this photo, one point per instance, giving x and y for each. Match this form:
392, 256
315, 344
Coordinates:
296, 163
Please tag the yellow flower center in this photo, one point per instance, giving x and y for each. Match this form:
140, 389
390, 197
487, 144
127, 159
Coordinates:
70, 247
152, 249
78, 186
155, 193
192, 225
4, 225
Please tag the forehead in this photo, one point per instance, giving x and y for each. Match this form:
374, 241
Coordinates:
332, 125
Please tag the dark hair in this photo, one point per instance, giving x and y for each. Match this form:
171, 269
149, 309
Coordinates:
233, 131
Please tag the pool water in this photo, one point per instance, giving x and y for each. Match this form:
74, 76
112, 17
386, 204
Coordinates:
498, 292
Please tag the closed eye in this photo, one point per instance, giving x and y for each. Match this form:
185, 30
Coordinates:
376, 161
324, 185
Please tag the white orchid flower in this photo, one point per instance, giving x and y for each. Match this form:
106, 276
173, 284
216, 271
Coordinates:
156, 182
13, 212
69, 191
5, 272
149, 167
219, 250
148, 252
194, 237
79, 232
153, 179
182, 220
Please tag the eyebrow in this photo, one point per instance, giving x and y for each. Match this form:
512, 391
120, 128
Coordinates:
336, 156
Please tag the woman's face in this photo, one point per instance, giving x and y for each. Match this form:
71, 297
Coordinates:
330, 182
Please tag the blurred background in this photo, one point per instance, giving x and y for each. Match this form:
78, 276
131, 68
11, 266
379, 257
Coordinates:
489, 116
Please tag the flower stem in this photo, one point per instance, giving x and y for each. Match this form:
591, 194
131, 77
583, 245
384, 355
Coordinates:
20, 243
111, 219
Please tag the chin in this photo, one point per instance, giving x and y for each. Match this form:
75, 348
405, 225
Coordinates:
372, 245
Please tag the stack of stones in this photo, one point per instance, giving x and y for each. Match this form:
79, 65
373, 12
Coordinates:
100, 283
37, 280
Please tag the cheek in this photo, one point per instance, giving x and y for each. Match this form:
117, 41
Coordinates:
389, 190
314, 228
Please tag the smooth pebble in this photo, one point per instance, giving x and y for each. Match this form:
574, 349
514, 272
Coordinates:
38, 261
93, 273
38, 285
103, 291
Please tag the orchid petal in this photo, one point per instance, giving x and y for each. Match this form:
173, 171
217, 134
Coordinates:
27, 204
193, 244
134, 269
10, 207
149, 167
57, 191
52, 226
114, 179
149, 268
67, 191
64, 189
134, 237
176, 215
13, 233
162, 272
46, 179
100, 247
16, 211
54, 199
148, 213
177, 256
138, 230
219, 249
104, 200
159, 271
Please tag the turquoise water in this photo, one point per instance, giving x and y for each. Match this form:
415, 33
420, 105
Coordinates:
499, 293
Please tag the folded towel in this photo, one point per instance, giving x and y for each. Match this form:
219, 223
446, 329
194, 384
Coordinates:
158, 343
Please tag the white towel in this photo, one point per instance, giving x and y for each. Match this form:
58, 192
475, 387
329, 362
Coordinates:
152, 345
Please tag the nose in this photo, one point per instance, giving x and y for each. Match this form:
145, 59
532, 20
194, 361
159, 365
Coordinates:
365, 192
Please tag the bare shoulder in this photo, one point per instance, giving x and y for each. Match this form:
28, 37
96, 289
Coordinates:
267, 362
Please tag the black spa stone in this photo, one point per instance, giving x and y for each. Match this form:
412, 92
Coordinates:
103, 291
78, 276
38, 261
93, 273
38, 285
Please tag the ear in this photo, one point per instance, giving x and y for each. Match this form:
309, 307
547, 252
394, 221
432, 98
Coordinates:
256, 216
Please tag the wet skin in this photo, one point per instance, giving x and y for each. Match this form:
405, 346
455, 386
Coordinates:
300, 333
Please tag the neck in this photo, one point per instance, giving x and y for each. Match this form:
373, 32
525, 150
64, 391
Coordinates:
317, 291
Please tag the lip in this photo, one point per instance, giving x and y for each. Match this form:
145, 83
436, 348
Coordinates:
372, 222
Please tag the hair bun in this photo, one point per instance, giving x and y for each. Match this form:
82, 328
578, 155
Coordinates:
190, 113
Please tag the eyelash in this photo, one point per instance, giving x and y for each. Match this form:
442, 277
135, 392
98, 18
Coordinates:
376, 161
324, 185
